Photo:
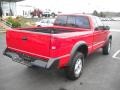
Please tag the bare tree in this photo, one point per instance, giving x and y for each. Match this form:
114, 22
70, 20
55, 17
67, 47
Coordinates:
95, 13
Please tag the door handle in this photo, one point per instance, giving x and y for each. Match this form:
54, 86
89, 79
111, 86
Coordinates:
24, 38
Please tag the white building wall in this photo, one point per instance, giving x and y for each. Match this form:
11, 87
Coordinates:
6, 6
24, 10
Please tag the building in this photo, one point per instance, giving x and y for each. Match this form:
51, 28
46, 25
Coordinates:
24, 10
8, 7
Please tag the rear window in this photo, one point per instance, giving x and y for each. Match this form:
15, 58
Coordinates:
73, 21
61, 20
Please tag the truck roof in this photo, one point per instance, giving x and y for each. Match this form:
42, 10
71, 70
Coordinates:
77, 14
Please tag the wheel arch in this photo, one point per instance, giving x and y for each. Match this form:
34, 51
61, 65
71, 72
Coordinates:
80, 47
107, 39
110, 37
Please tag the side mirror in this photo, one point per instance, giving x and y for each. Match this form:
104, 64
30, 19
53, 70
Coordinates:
106, 28
102, 28
97, 28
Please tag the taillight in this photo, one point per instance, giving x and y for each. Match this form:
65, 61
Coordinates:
55, 44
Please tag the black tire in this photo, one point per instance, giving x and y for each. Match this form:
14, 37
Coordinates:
70, 70
107, 47
38, 26
53, 14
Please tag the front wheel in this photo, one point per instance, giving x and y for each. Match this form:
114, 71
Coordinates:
107, 47
74, 70
53, 14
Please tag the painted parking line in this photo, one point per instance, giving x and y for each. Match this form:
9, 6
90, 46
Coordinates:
115, 55
115, 30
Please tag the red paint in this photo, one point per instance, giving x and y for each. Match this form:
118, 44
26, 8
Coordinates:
45, 45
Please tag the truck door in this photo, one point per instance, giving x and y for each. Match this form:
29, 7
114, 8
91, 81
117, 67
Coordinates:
99, 35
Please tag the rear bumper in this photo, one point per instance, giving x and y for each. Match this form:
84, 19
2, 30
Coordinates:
28, 60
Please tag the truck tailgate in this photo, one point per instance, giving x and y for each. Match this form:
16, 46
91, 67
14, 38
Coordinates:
37, 44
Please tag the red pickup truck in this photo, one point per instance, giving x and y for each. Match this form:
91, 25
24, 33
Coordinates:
65, 45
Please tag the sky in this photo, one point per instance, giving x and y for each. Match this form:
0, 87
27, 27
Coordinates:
74, 6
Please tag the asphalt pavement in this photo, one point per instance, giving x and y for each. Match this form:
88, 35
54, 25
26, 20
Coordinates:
101, 72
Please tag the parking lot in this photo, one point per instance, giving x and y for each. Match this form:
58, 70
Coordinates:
100, 72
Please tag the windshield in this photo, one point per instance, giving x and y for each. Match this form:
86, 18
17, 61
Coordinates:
52, 21
44, 21
47, 21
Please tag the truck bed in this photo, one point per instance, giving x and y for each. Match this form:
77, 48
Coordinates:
38, 41
24, 40
50, 30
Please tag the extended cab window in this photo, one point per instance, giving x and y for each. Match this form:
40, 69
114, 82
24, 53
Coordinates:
82, 22
61, 20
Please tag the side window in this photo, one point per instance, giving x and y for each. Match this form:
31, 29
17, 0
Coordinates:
95, 22
82, 22
71, 21
99, 22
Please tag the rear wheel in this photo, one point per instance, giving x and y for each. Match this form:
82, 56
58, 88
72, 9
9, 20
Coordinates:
107, 47
75, 67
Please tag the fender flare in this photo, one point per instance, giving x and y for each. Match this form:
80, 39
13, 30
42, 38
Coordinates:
75, 48
109, 35
107, 39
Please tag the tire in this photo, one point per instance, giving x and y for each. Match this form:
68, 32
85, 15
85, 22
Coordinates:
75, 68
107, 47
53, 14
38, 26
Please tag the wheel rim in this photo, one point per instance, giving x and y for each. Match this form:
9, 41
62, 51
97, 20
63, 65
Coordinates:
78, 67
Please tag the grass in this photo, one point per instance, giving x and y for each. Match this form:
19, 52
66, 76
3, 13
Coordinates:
25, 22
20, 22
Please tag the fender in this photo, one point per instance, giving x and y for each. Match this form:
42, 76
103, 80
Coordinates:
109, 36
75, 48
